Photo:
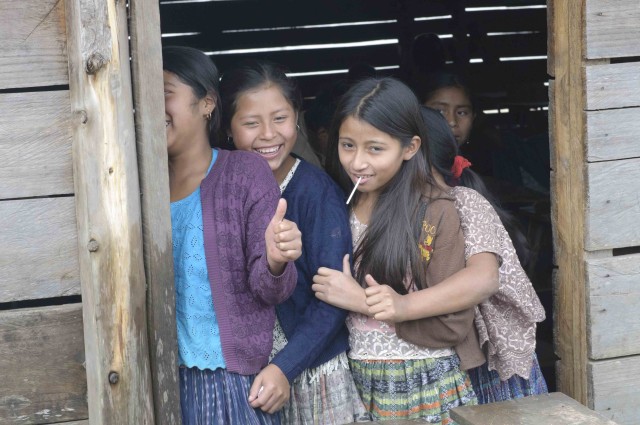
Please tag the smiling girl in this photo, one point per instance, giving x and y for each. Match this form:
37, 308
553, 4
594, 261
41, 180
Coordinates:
309, 366
406, 234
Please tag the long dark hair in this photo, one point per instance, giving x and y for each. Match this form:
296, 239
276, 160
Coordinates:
443, 150
198, 71
251, 74
389, 245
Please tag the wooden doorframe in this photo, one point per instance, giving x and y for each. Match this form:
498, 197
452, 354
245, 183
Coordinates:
568, 188
148, 101
122, 205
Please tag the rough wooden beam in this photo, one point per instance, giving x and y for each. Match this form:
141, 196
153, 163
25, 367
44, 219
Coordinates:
568, 193
108, 214
148, 99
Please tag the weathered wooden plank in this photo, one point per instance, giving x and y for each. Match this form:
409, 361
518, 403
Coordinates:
613, 206
108, 214
35, 144
547, 409
148, 99
38, 249
32, 52
568, 192
41, 359
611, 389
614, 297
613, 85
612, 28
613, 134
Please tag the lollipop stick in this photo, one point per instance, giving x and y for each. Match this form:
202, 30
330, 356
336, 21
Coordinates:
354, 189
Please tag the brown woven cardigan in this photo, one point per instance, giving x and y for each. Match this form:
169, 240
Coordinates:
446, 258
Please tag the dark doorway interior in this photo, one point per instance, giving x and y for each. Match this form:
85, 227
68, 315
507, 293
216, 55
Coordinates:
499, 45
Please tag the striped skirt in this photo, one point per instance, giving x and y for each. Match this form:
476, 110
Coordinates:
219, 397
489, 388
412, 389
325, 395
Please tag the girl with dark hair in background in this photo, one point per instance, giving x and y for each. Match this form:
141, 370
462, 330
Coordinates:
232, 250
506, 321
309, 366
406, 236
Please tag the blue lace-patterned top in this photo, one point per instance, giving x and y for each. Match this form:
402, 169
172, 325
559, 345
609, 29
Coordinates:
198, 333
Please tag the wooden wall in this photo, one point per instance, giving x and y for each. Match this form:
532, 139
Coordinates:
39, 347
596, 167
71, 220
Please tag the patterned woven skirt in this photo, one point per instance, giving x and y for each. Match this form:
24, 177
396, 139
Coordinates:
412, 389
325, 395
219, 397
489, 388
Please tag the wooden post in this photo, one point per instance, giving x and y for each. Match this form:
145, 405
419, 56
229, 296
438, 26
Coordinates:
148, 99
568, 193
108, 214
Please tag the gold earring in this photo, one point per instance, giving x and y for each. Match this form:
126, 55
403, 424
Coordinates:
208, 116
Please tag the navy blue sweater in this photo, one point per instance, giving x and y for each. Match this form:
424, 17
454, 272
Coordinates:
315, 331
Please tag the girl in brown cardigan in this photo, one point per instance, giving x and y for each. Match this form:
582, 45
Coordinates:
407, 235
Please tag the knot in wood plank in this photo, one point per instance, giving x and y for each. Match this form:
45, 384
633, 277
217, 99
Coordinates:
94, 63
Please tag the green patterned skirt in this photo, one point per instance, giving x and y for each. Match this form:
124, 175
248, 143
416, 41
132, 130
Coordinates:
412, 389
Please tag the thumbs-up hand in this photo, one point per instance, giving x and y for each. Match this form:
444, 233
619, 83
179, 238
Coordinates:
339, 288
384, 303
283, 240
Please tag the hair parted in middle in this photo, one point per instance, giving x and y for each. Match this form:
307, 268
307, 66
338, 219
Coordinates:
389, 245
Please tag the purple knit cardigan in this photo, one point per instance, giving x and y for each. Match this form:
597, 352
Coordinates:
239, 198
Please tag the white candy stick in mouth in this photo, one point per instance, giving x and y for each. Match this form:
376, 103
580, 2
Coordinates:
354, 189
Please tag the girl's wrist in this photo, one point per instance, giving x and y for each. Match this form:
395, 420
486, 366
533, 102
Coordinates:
275, 267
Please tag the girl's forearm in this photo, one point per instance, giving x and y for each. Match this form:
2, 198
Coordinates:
464, 289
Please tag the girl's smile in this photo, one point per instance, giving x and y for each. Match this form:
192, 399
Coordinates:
264, 122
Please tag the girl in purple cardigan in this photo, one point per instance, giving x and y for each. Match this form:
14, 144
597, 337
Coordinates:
232, 248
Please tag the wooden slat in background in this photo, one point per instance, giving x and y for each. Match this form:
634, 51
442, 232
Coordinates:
42, 364
35, 144
38, 249
613, 134
613, 389
212, 23
32, 46
612, 86
613, 204
612, 28
614, 297
210, 38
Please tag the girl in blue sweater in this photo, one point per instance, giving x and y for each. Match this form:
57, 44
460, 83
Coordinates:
309, 372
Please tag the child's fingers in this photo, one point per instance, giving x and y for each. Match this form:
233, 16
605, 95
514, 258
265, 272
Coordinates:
346, 265
255, 388
291, 235
285, 226
371, 281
